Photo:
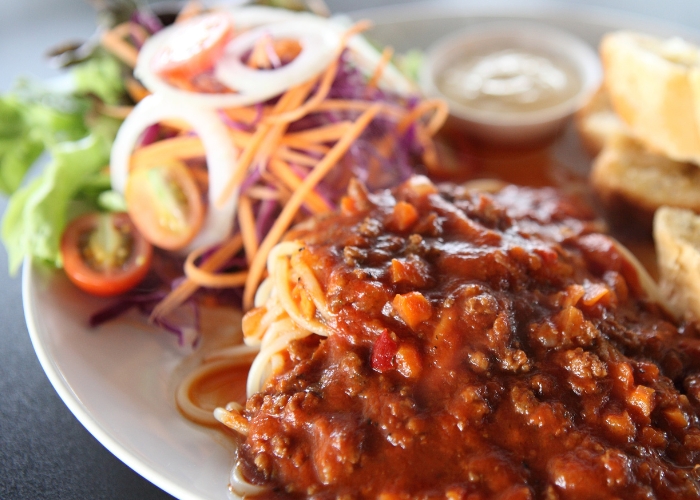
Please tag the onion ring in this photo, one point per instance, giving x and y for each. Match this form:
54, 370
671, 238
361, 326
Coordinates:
243, 18
221, 155
319, 41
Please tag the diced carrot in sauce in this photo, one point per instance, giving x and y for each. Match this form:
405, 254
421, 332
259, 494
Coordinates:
410, 271
408, 361
405, 216
413, 308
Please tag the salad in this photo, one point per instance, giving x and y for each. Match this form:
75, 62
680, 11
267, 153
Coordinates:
184, 145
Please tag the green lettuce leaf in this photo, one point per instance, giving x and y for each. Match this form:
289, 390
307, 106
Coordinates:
31, 121
36, 214
101, 75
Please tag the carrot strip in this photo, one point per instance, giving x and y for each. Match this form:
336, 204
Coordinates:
136, 91
275, 135
113, 41
387, 54
290, 209
292, 98
242, 139
290, 156
354, 105
246, 221
201, 177
262, 193
181, 147
440, 113
430, 156
246, 114
180, 294
278, 130
286, 175
186, 147
209, 279
310, 105
177, 124
304, 146
326, 133
258, 57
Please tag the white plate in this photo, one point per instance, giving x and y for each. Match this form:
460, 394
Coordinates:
117, 380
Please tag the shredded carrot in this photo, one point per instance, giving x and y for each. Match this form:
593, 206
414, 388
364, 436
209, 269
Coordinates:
290, 209
387, 54
246, 221
210, 279
287, 49
310, 105
292, 98
136, 91
113, 41
304, 146
185, 147
181, 147
242, 139
430, 156
286, 175
278, 131
177, 124
354, 105
185, 290
246, 115
262, 193
440, 113
201, 177
325, 133
288, 155
259, 56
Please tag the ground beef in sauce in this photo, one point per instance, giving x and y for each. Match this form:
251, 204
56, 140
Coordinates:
483, 346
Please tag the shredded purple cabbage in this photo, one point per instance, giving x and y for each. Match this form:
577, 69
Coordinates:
143, 301
183, 322
150, 135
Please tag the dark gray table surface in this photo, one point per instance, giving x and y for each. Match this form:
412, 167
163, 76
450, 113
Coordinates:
44, 451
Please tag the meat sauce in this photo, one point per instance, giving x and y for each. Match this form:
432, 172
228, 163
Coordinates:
482, 346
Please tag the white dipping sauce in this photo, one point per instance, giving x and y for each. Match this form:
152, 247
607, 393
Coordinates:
509, 80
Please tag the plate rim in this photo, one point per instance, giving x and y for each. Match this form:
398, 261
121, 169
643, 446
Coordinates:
63, 387
593, 14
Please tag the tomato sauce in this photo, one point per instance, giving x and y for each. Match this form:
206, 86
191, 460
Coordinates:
495, 346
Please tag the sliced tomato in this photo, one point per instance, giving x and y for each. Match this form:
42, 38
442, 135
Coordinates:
165, 204
104, 254
199, 43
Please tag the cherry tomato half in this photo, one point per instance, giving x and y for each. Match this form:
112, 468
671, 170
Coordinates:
165, 204
104, 254
200, 43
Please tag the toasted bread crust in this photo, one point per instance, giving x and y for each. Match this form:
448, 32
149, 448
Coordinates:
654, 86
633, 183
677, 238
